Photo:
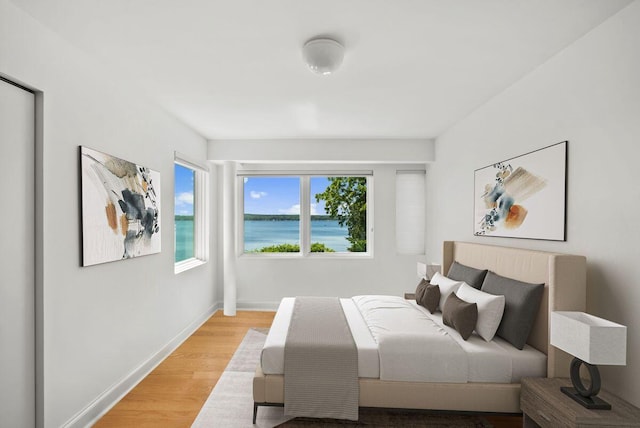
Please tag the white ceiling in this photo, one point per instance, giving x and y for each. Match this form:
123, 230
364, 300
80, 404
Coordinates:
233, 69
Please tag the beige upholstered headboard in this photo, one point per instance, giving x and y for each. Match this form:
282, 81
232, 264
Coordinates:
564, 276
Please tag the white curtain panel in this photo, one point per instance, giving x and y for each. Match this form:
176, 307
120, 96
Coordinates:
410, 208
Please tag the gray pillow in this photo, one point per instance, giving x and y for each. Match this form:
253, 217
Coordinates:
522, 301
430, 298
471, 276
460, 315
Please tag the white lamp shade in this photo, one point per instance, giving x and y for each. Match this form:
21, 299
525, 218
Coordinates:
323, 56
427, 271
593, 340
421, 270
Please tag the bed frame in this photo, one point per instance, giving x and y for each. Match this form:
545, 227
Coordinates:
564, 277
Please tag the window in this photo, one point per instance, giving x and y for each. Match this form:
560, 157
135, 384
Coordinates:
338, 214
410, 207
271, 214
185, 179
191, 234
306, 214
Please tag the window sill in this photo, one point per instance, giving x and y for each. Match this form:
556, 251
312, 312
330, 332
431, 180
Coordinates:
340, 255
185, 265
271, 255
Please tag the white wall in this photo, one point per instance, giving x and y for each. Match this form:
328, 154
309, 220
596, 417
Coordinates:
100, 323
588, 94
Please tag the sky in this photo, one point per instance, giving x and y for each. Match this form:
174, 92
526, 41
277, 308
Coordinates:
184, 186
262, 195
280, 195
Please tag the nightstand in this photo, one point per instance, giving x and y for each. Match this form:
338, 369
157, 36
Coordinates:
410, 296
544, 405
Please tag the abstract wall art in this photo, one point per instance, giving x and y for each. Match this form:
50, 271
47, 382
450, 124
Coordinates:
523, 197
120, 208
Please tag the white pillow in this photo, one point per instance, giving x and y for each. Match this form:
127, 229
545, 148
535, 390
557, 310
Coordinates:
490, 309
447, 286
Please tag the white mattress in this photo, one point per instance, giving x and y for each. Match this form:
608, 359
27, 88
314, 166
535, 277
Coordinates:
496, 361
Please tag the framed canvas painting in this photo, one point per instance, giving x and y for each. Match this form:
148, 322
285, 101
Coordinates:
120, 208
523, 197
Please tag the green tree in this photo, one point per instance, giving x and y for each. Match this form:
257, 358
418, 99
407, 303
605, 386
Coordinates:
345, 199
280, 248
316, 247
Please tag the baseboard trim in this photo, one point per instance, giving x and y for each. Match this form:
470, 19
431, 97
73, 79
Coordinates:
109, 398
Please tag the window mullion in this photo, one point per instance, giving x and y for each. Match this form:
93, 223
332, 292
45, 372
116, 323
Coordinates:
305, 216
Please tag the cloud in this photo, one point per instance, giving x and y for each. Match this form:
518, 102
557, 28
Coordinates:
185, 198
295, 209
257, 195
245, 179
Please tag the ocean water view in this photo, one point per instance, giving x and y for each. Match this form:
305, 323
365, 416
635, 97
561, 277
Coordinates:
183, 238
263, 233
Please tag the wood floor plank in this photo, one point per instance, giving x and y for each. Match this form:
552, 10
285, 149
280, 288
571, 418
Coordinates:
172, 395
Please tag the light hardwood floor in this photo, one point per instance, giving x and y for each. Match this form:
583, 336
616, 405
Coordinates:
172, 395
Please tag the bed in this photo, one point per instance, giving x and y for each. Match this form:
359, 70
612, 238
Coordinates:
564, 277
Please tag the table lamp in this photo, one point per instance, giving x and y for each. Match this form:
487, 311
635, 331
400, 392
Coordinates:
427, 271
591, 340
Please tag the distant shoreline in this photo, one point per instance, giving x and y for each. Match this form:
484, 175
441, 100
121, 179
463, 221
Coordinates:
268, 217
284, 217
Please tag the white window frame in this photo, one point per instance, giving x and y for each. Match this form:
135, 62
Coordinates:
200, 213
305, 213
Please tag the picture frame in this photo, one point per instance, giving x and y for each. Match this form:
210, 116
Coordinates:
523, 197
120, 208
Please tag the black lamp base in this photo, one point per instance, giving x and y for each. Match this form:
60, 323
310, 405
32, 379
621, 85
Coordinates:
593, 402
588, 397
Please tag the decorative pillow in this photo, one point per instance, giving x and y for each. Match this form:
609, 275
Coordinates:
522, 301
490, 309
420, 289
460, 315
471, 276
447, 286
430, 297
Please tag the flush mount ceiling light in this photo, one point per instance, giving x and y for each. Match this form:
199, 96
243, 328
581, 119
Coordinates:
323, 55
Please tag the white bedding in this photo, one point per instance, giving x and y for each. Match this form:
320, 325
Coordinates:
396, 342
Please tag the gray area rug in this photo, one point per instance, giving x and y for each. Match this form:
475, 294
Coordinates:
230, 404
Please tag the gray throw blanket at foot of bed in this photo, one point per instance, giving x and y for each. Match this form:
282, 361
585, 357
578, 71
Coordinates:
320, 361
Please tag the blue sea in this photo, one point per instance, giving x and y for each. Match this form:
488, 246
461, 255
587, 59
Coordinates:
259, 234
184, 240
